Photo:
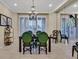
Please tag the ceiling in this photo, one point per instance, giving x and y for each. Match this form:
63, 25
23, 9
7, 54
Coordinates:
24, 6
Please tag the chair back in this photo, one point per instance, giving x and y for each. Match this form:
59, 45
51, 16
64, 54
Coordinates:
30, 32
38, 32
55, 33
63, 35
27, 37
43, 37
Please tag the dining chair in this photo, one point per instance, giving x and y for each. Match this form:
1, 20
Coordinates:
27, 41
30, 32
75, 48
37, 33
55, 35
43, 38
63, 36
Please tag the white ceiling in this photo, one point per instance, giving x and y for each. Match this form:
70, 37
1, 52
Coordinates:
24, 6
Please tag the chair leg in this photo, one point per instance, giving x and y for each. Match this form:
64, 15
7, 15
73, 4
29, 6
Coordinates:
39, 49
67, 41
23, 48
30, 49
77, 55
55, 41
46, 49
61, 40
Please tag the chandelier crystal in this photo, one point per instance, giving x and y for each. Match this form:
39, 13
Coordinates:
33, 15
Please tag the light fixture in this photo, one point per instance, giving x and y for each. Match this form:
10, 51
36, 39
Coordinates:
50, 5
33, 8
33, 15
75, 5
15, 4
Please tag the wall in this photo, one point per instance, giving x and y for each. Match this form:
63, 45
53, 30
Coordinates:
40, 14
4, 10
68, 10
1, 37
51, 23
71, 8
54, 18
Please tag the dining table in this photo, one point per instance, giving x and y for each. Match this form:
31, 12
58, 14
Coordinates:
34, 37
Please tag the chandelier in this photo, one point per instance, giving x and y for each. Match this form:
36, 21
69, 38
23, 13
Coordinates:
33, 15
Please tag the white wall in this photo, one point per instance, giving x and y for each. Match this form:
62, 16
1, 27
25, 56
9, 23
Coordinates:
68, 10
51, 23
4, 10
54, 18
1, 37
71, 9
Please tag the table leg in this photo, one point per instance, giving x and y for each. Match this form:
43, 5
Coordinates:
73, 51
20, 44
49, 47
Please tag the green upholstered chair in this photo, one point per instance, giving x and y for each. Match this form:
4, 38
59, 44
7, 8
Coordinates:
30, 32
27, 41
43, 38
32, 35
38, 32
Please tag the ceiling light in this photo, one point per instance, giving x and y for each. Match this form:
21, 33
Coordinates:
33, 15
15, 4
33, 9
50, 5
36, 12
30, 12
75, 5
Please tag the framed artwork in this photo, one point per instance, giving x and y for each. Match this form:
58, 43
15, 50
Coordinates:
9, 22
3, 20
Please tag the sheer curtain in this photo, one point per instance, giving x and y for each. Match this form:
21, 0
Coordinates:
23, 24
27, 24
67, 27
41, 23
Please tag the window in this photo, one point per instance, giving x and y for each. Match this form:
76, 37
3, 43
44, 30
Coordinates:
28, 24
68, 26
41, 23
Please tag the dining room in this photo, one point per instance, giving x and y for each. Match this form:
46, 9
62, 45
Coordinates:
36, 29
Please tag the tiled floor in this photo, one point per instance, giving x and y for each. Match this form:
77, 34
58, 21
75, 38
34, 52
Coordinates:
59, 51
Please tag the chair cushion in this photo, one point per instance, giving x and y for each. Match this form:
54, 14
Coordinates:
42, 37
27, 38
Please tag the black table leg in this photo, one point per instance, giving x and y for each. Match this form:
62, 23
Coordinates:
20, 44
72, 51
49, 47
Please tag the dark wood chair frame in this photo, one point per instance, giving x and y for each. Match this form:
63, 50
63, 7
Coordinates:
30, 49
20, 43
75, 48
62, 36
55, 35
45, 46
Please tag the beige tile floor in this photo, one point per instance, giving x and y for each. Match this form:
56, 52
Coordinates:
59, 51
